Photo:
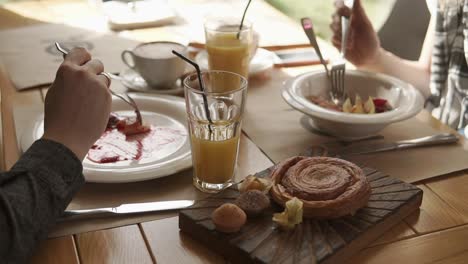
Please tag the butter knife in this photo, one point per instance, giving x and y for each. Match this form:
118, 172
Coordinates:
438, 139
126, 209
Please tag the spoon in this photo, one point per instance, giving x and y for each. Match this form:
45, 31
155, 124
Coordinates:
129, 101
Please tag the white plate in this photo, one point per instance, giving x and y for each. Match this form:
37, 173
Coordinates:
133, 81
161, 111
262, 61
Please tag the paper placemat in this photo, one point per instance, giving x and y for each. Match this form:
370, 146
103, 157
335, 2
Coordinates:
97, 195
31, 59
281, 132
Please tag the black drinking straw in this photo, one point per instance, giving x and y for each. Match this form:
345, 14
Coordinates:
202, 88
242, 21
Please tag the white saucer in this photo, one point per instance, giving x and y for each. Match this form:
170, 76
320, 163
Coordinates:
161, 111
262, 61
133, 81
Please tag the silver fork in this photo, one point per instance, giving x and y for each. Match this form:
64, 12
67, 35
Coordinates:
338, 68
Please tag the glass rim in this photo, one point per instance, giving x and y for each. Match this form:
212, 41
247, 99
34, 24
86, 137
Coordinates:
243, 86
246, 26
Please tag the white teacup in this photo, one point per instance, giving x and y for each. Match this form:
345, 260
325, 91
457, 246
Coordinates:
155, 62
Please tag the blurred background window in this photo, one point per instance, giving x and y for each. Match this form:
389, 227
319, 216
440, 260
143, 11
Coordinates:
320, 11
394, 20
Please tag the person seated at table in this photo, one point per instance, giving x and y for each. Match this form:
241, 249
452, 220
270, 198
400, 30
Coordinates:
38, 188
440, 74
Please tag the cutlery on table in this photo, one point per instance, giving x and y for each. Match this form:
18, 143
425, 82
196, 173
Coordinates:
438, 139
127, 209
309, 31
126, 99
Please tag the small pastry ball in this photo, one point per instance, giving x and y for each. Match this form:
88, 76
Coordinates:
253, 202
228, 218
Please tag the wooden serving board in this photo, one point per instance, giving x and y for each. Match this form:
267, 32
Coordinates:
313, 241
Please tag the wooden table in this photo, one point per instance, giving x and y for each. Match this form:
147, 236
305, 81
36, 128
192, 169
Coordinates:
438, 233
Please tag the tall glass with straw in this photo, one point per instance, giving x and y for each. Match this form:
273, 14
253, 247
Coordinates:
215, 102
229, 43
214, 140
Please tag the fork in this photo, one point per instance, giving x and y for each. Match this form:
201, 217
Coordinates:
129, 101
338, 68
310, 33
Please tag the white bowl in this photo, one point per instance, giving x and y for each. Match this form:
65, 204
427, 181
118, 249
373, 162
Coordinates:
405, 100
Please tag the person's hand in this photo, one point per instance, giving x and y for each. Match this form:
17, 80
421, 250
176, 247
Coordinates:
363, 45
78, 103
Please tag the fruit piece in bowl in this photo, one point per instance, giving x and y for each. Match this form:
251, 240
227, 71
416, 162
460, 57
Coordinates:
371, 106
404, 99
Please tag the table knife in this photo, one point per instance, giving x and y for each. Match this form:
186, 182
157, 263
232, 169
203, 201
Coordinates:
438, 139
126, 209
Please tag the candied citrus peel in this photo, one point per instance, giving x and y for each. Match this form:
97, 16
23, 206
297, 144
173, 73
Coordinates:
369, 106
347, 106
359, 107
291, 216
255, 183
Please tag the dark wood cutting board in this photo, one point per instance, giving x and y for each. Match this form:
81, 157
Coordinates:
313, 241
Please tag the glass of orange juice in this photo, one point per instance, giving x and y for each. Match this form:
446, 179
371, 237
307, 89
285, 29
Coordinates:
229, 49
214, 120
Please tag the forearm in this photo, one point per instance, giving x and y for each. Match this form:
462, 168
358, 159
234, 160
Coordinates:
33, 195
415, 72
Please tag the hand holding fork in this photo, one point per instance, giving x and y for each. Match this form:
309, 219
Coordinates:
337, 73
109, 77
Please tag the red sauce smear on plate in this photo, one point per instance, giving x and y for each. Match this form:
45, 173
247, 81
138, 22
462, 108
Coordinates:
116, 144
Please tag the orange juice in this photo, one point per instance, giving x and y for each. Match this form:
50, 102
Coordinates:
229, 49
214, 151
228, 53
214, 161
214, 122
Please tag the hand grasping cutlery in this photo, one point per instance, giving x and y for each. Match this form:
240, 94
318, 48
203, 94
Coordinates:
107, 74
110, 76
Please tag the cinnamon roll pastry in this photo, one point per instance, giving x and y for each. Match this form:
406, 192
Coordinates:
328, 187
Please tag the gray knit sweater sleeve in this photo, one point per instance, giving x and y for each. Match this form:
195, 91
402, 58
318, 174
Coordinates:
33, 194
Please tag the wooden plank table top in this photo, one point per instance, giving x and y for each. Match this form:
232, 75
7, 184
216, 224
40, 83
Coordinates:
437, 233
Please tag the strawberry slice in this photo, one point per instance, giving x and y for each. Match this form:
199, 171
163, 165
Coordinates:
128, 126
132, 129
378, 102
380, 105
